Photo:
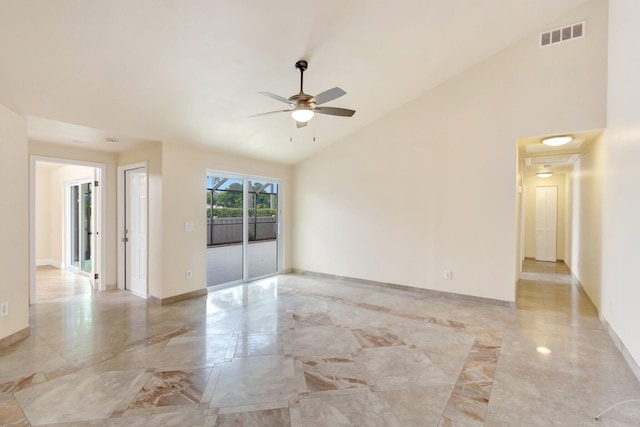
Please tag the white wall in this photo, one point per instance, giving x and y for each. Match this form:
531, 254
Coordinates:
586, 196
530, 185
14, 227
621, 145
431, 186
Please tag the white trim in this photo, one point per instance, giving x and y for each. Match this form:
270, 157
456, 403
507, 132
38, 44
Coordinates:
121, 219
102, 167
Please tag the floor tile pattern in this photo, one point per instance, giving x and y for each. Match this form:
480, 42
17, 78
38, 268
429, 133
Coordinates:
300, 350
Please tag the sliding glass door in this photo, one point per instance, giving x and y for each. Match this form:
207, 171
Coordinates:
262, 232
242, 229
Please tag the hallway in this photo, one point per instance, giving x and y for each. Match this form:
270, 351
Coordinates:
305, 350
54, 283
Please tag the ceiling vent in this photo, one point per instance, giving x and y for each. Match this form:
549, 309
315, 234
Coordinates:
546, 161
560, 35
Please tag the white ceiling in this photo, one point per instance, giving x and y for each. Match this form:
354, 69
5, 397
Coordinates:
189, 71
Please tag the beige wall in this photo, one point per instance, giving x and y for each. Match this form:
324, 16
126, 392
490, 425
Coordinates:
14, 227
530, 185
109, 183
43, 218
51, 210
621, 207
430, 187
184, 172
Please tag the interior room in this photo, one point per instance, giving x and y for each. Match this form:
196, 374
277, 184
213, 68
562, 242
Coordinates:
316, 214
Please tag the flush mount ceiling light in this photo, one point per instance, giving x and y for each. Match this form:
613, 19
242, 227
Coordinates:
556, 141
544, 174
302, 115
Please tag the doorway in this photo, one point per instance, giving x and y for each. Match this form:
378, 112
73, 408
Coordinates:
133, 228
66, 226
243, 228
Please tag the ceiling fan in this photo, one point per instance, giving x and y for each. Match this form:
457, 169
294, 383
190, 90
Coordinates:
303, 106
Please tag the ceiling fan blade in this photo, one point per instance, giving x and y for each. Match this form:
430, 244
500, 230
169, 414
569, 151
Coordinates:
276, 97
335, 111
301, 124
270, 112
328, 95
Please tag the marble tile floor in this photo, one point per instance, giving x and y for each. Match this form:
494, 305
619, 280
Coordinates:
301, 350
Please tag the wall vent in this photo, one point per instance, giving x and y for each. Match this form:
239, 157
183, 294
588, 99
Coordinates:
563, 34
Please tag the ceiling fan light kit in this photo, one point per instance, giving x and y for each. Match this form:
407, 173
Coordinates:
302, 115
304, 106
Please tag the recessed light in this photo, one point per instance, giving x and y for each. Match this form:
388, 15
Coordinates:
555, 141
543, 350
544, 174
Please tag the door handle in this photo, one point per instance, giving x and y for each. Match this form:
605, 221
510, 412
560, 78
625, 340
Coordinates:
125, 239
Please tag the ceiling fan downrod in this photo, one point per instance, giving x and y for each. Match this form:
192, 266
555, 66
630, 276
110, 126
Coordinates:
302, 66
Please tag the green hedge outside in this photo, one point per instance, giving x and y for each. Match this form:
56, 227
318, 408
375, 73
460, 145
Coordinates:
237, 212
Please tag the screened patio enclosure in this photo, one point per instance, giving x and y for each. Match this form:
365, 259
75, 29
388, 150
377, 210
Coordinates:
242, 229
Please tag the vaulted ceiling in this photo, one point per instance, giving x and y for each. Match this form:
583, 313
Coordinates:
189, 72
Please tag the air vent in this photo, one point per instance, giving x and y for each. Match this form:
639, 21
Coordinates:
546, 161
564, 34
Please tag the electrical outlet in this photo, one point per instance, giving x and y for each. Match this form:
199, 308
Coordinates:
4, 308
447, 274
188, 226
189, 274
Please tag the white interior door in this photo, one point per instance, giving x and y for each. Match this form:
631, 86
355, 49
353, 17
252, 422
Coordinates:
546, 223
136, 231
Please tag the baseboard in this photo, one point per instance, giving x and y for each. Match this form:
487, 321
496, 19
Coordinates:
621, 347
429, 292
176, 298
530, 258
49, 262
15, 337
635, 368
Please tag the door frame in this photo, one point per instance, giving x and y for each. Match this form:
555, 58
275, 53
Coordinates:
101, 219
245, 221
121, 223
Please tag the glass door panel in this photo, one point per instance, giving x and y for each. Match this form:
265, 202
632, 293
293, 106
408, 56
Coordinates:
225, 198
262, 229
80, 227
74, 226
86, 227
